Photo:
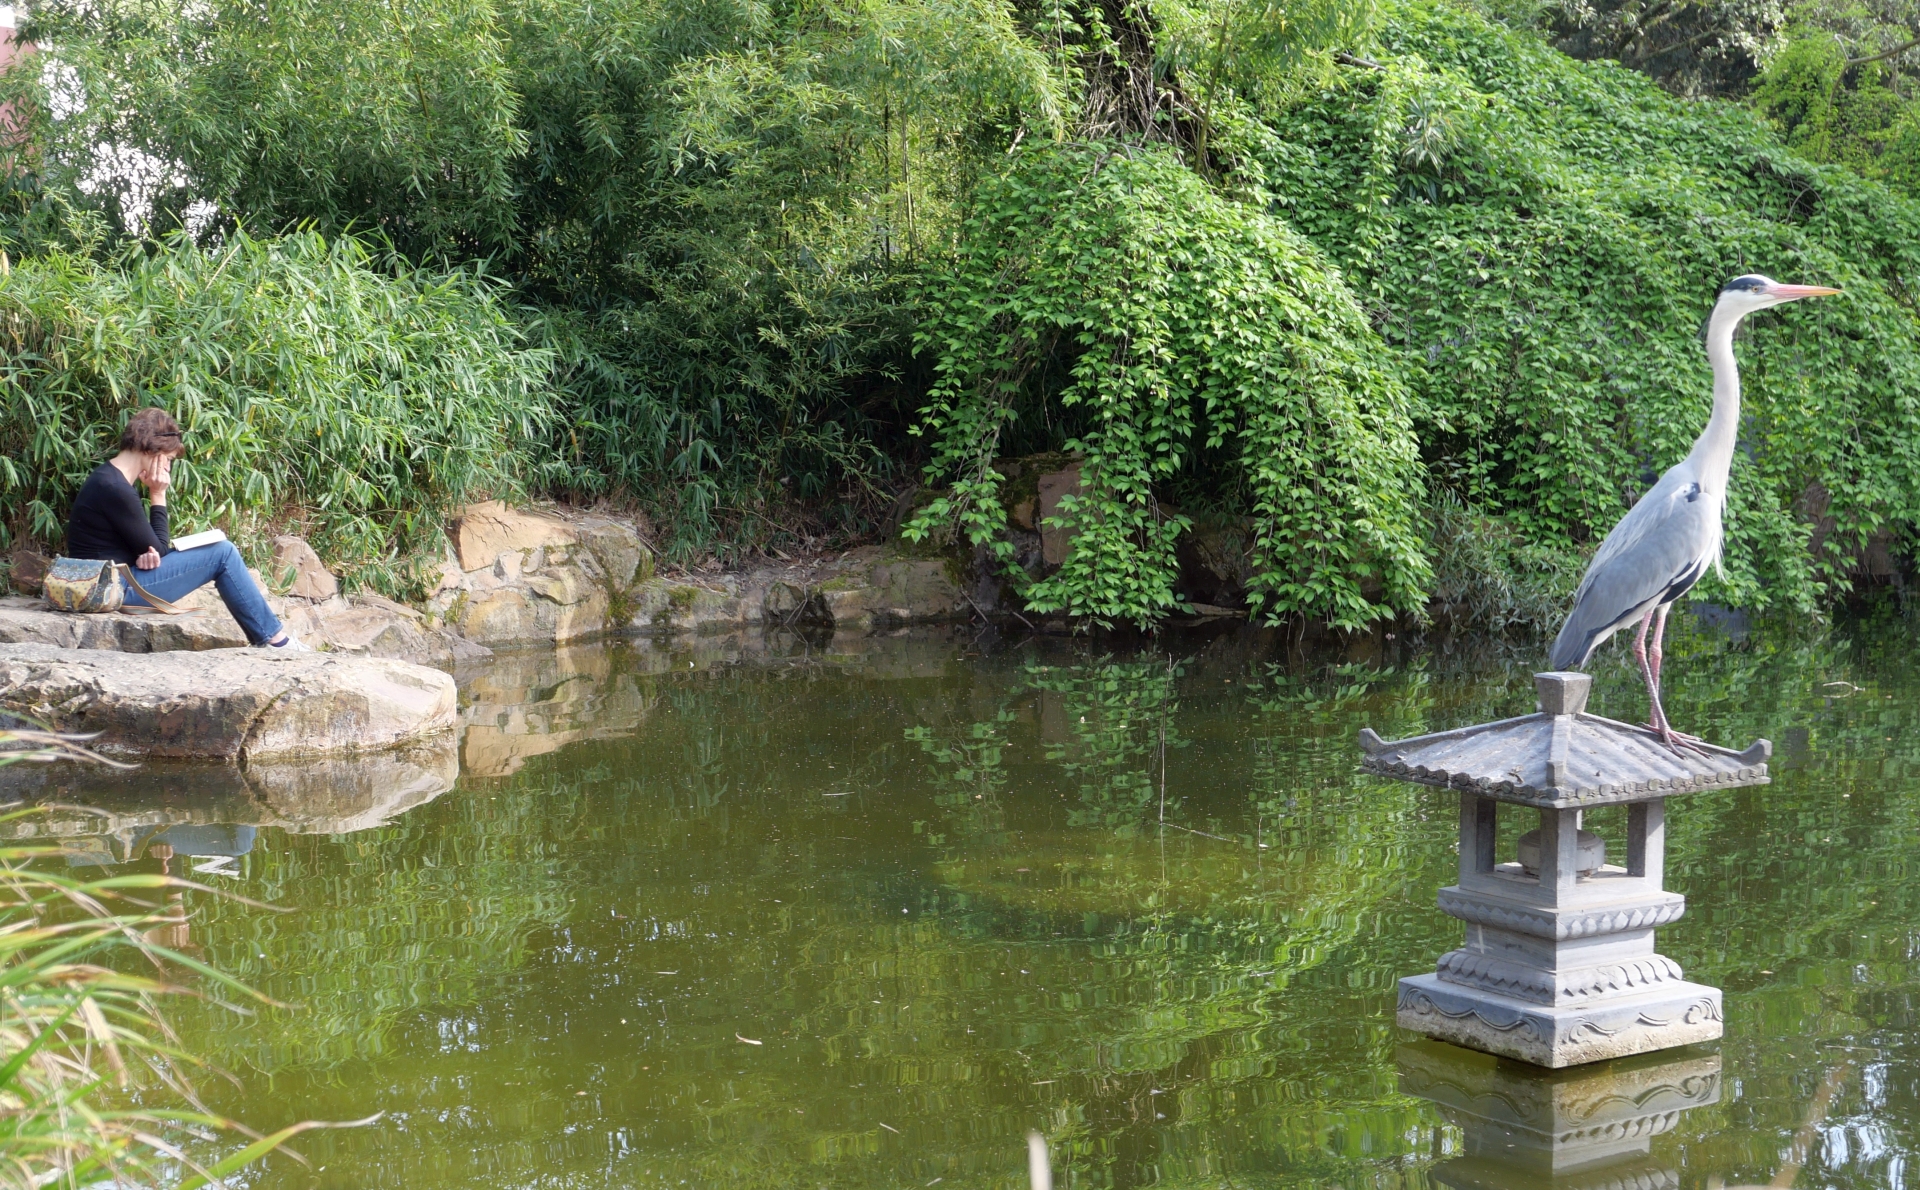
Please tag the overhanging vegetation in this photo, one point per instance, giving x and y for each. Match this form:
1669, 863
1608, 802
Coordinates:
749, 251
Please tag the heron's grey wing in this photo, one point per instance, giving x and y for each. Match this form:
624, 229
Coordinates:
1658, 550
1648, 514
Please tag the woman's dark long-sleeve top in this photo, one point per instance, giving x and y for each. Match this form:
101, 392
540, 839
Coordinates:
108, 524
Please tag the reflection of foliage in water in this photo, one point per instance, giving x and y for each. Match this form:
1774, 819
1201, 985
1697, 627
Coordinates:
1210, 914
457, 897
1109, 730
1117, 715
971, 775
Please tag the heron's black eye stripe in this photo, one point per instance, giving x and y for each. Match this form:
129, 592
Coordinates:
1750, 283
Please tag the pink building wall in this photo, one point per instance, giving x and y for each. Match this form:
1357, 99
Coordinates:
9, 49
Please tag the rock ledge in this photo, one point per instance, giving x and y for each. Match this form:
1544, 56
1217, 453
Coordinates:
227, 704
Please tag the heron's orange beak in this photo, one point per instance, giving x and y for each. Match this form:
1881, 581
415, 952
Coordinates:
1793, 293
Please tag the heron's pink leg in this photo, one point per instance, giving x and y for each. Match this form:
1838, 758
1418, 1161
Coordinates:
1646, 673
1653, 651
1650, 668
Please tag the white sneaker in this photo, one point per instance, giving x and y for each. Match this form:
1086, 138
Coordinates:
292, 644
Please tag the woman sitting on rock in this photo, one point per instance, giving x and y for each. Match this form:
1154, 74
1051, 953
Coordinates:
107, 524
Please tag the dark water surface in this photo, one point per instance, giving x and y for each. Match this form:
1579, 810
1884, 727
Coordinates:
864, 914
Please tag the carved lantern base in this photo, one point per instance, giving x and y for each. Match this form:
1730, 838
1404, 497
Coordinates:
1678, 1013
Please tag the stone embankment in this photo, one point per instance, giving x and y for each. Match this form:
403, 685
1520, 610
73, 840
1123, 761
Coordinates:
186, 686
513, 577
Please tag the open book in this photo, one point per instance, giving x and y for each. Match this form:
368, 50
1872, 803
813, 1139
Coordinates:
195, 540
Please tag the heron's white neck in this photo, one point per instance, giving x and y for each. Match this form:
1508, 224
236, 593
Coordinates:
1712, 455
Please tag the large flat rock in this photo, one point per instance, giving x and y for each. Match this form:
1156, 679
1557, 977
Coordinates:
31, 621
228, 704
364, 625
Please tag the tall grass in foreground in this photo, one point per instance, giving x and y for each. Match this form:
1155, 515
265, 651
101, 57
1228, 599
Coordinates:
83, 1045
322, 389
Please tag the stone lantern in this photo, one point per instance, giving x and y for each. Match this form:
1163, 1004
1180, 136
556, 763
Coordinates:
1558, 966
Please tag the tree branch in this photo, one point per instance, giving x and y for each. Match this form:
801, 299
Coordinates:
1895, 52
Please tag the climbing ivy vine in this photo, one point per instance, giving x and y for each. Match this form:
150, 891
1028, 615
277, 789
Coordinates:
1544, 263
1467, 241
1112, 291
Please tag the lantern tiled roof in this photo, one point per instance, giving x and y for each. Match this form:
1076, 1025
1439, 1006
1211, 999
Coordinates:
1561, 757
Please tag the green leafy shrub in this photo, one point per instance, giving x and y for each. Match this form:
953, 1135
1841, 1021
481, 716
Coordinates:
726, 205
710, 210
1111, 290
410, 126
1546, 266
1488, 578
729, 224
1831, 112
311, 382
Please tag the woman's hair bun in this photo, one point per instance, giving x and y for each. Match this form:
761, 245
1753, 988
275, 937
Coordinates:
152, 431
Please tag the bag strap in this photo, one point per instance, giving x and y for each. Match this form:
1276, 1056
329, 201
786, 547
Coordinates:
158, 604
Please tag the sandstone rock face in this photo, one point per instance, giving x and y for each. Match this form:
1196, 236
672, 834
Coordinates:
374, 626
702, 604
486, 531
514, 577
519, 578
867, 588
624, 559
556, 605
1055, 542
1031, 487
880, 589
229, 704
311, 578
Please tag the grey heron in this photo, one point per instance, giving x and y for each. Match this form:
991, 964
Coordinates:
1669, 538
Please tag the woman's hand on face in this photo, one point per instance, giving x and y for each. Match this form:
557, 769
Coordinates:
148, 560
157, 474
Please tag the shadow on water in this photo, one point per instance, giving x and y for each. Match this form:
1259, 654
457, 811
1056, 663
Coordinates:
862, 912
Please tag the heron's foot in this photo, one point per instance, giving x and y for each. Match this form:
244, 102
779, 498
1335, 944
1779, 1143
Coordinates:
1680, 742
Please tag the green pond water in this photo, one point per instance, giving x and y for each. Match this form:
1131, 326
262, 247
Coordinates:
865, 913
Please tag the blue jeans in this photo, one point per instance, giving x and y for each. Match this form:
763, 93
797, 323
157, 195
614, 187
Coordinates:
185, 571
